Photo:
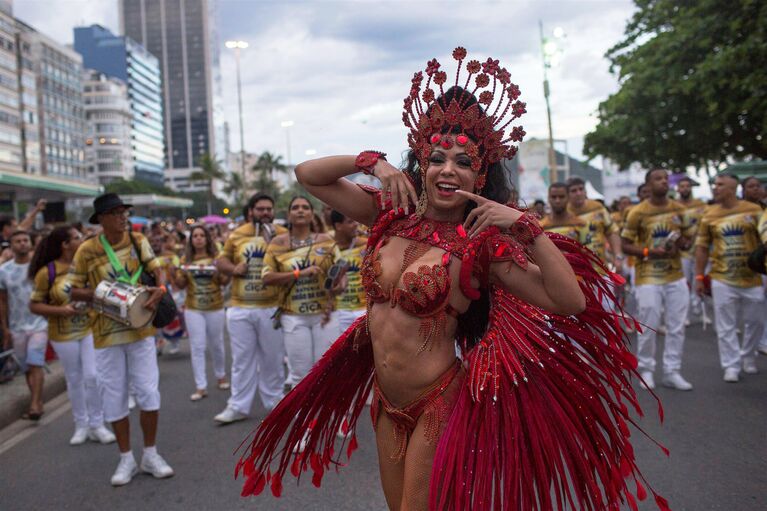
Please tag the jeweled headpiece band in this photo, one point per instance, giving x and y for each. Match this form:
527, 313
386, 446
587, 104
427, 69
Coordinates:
479, 127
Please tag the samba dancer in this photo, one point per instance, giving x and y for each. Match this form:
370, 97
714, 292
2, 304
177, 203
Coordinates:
449, 262
204, 307
69, 331
298, 262
257, 347
125, 357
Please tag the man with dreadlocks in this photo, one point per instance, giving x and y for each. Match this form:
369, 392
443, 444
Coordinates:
544, 373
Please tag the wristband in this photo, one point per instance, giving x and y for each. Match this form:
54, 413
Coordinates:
526, 229
700, 278
164, 289
646, 252
296, 273
366, 161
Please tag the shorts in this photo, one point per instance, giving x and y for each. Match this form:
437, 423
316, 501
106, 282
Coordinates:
128, 366
29, 348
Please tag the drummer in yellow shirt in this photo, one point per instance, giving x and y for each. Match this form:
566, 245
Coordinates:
730, 228
600, 226
350, 303
655, 230
560, 220
204, 307
298, 262
125, 356
257, 346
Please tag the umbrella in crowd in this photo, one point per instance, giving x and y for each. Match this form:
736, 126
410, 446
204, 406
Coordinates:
214, 219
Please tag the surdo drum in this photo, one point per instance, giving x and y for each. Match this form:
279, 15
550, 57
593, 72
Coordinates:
123, 303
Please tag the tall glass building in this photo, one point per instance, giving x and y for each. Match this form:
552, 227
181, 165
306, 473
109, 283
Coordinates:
181, 33
125, 59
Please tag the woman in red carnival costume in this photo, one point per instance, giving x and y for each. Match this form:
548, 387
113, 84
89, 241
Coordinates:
534, 415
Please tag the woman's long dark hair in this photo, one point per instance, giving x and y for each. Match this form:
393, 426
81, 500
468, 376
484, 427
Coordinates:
210, 247
472, 324
48, 249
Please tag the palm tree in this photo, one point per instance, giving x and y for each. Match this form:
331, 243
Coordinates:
235, 186
265, 167
209, 170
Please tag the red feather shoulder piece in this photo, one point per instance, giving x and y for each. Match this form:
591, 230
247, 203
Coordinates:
542, 421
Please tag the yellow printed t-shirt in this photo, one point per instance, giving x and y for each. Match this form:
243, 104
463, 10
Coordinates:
599, 225
692, 213
307, 296
243, 245
204, 291
91, 266
732, 234
648, 226
353, 297
60, 328
573, 227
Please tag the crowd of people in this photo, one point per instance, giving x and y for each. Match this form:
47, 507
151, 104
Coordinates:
680, 255
282, 292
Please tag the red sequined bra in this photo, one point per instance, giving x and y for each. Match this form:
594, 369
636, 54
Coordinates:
425, 293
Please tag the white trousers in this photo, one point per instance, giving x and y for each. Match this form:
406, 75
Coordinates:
763, 340
258, 353
688, 268
306, 340
78, 358
652, 300
206, 330
728, 300
345, 318
128, 366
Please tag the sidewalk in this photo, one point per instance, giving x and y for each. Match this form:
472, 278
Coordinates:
14, 395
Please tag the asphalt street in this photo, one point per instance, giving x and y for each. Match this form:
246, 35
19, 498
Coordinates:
717, 435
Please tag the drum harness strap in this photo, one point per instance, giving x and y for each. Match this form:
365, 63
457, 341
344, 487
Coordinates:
122, 273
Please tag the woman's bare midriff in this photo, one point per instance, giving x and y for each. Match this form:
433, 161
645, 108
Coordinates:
404, 373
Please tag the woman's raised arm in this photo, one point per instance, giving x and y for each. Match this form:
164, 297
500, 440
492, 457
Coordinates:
325, 179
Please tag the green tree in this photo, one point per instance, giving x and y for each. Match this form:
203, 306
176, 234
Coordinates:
235, 187
692, 91
264, 168
209, 171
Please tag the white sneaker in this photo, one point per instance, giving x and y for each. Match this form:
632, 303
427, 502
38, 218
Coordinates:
749, 366
131, 402
675, 381
229, 415
126, 469
155, 465
649, 380
174, 348
101, 434
731, 375
80, 436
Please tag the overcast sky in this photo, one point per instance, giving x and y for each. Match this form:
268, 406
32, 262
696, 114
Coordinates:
340, 70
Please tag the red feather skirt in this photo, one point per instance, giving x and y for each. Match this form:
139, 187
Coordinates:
542, 422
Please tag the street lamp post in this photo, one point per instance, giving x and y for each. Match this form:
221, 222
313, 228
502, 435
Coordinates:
549, 52
287, 125
237, 46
